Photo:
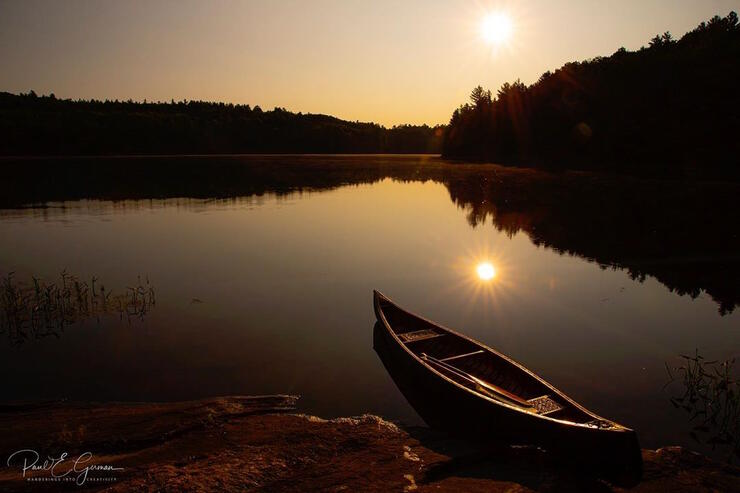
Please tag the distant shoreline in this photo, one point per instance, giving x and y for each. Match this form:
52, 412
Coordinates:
45, 125
436, 158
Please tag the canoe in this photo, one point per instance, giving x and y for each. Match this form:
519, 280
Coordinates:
461, 386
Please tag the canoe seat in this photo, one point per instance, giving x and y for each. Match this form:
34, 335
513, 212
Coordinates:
419, 335
545, 405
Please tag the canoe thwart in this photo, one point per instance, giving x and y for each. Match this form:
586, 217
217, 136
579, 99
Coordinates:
459, 356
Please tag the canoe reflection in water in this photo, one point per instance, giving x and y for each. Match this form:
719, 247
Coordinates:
460, 386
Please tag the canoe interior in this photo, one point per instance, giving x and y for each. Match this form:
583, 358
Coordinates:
425, 338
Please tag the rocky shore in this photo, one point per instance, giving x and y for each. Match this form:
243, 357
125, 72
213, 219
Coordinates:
261, 444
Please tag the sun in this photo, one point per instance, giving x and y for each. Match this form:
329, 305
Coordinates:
496, 28
486, 271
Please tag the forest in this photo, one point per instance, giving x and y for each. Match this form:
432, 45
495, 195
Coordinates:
671, 109
46, 125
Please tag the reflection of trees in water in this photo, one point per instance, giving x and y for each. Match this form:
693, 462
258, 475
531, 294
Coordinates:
711, 396
40, 309
682, 233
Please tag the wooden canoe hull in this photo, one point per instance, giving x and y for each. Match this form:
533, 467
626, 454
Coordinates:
445, 406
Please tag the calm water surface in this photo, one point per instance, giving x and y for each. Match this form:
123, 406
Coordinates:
285, 283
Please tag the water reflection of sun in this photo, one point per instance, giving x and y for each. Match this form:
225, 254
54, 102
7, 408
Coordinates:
483, 277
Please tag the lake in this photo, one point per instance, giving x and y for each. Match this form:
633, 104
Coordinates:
264, 283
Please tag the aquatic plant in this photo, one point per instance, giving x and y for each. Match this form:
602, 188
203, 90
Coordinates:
711, 395
39, 309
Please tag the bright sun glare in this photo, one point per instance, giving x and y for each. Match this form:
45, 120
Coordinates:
496, 28
486, 271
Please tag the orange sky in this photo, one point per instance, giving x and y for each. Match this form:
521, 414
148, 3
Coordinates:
385, 61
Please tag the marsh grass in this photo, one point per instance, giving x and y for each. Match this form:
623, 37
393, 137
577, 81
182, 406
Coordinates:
711, 395
39, 308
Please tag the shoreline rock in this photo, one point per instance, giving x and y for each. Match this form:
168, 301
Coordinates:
260, 444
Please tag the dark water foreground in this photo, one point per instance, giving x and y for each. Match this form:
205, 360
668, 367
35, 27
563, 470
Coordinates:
263, 269
251, 444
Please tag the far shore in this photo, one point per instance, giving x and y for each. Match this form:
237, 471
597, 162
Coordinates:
262, 443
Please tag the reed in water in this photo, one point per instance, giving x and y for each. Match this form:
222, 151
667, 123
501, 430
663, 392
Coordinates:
711, 395
39, 308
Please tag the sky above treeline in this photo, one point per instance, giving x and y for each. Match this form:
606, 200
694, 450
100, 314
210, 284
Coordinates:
387, 61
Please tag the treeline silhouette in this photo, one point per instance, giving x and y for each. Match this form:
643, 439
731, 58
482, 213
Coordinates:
669, 109
683, 233
46, 125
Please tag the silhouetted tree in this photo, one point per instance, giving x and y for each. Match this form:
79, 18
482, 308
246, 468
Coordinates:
480, 96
